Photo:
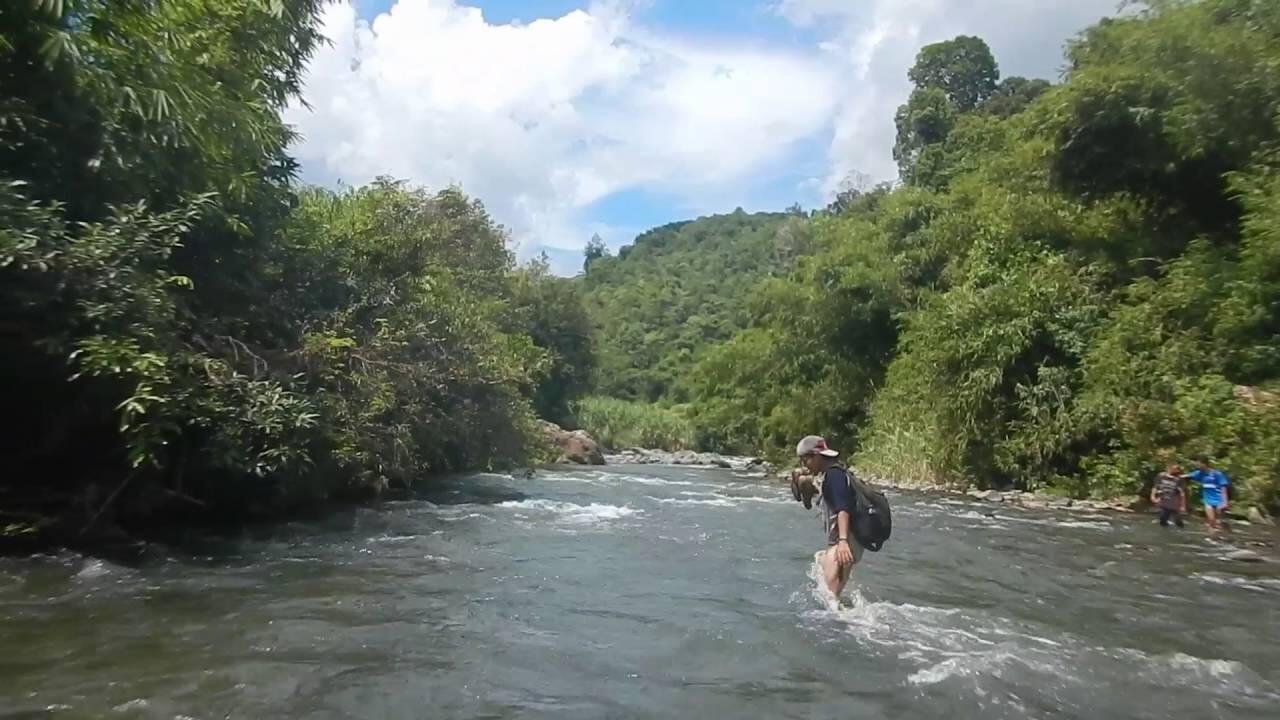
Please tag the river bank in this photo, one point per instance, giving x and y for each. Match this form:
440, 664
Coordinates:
1243, 517
766, 470
118, 541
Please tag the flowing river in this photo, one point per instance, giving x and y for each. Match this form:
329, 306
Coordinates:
654, 592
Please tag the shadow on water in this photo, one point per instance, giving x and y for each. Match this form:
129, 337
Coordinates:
231, 543
470, 490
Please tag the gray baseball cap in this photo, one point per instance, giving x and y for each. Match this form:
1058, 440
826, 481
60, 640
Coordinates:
812, 444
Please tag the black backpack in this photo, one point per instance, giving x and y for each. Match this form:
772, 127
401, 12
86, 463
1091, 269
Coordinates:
872, 521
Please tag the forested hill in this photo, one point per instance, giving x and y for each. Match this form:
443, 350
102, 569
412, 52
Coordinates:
678, 289
1071, 285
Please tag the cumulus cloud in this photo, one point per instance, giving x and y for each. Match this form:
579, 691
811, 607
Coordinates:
542, 119
876, 41
539, 120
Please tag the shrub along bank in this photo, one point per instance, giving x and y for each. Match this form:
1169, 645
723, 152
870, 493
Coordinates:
189, 334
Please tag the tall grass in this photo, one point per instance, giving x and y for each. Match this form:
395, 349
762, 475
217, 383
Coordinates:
618, 424
904, 455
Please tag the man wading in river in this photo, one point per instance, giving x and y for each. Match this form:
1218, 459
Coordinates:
832, 481
1215, 492
1170, 494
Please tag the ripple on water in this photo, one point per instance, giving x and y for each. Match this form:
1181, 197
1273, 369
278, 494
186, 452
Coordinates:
713, 499
608, 593
603, 478
987, 656
571, 513
134, 705
1236, 581
92, 569
709, 501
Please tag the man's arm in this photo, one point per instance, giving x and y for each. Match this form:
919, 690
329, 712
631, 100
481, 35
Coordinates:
841, 505
844, 553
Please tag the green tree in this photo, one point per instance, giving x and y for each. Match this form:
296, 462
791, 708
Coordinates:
191, 334
923, 124
962, 68
1013, 95
952, 79
1075, 284
553, 313
677, 289
595, 250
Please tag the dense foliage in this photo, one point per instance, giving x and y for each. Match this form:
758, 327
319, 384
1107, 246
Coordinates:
188, 330
676, 290
1109, 299
1073, 284
620, 424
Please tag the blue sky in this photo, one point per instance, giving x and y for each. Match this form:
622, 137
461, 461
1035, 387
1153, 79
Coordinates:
701, 18
572, 118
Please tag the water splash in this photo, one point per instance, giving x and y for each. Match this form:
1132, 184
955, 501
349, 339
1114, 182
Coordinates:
572, 513
986, 655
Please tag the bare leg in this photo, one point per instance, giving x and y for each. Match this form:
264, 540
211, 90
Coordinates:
1211, 515
835, 576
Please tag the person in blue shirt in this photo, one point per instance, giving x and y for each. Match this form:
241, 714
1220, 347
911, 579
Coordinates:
1215, 491
825, 476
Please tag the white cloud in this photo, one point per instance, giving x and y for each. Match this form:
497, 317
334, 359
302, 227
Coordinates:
541, 119
876, 42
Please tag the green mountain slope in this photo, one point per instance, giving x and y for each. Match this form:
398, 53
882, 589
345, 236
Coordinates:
678, 289
1073, 286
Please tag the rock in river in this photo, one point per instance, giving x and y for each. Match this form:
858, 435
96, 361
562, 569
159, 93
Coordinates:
1255, 516
575, 447
1243, 556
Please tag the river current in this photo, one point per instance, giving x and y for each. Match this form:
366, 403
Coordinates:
649, 592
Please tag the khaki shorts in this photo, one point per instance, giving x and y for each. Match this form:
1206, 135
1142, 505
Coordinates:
833, 536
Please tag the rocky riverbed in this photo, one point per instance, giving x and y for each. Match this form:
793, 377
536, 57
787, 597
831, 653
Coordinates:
588, 453
1041, 501
1240, 517
644, 456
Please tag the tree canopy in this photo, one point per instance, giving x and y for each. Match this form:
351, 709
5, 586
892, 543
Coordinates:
189, 331
676, 290
1074, 283
963, 69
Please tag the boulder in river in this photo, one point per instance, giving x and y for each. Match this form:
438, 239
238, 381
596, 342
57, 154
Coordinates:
1243, 556
1255, 516
988, 495
574, 446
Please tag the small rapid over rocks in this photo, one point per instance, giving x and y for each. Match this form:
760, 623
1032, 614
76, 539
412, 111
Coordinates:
650, 592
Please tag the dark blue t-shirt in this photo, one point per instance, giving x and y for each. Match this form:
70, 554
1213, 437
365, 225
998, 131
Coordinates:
836, 496
835, 491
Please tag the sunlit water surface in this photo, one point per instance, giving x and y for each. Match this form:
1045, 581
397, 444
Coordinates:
649, 593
